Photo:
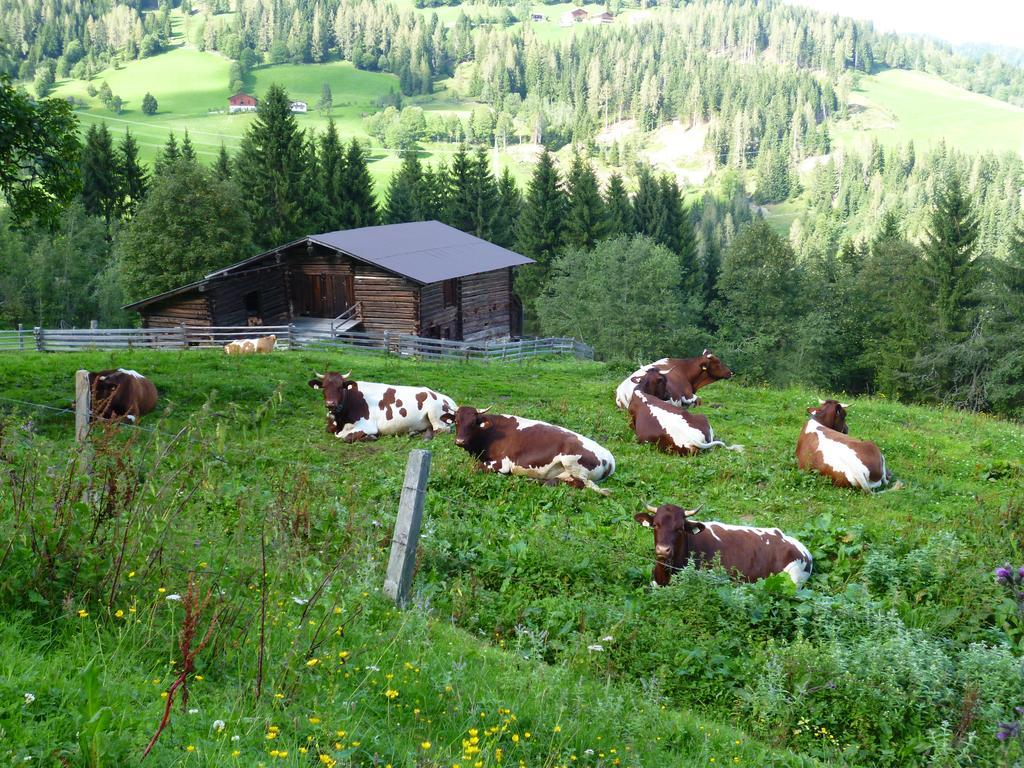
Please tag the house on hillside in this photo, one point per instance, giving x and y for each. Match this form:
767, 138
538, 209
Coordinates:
299, 106
537, 17
606, 17
575, 16
241, 102
423, 278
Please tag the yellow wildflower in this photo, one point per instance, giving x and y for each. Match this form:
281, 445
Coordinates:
82, 614
314, 720
391, 693
118, 614
190, 748
312, 662
425, 745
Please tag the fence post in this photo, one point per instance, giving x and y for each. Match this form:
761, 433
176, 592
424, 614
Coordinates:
291, 337
21, 338
387, 342
37, 332
407, 528
83, 411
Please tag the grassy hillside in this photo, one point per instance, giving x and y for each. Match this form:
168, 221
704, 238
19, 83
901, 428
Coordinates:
898, 638
897, 106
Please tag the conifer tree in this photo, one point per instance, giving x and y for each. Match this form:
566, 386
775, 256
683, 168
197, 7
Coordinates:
586, 220
618, 207
485, 195
647, 211
949, 265
540, 233
359, 208
133, 176
222, 168
101, 192
331, 165
460, 210
405, 192
510, 203
188, 152
271, 160
168, 156
436, 192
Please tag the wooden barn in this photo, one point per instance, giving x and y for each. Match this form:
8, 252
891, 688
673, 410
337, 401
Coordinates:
423, 278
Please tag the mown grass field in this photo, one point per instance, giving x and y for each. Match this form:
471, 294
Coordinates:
897, 106
532, 609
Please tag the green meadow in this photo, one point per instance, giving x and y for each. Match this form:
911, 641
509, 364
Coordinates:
897, 106
534, 637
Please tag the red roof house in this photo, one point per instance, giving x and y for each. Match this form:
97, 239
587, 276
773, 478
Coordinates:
242, 102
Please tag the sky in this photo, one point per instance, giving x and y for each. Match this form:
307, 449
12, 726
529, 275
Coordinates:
999, 22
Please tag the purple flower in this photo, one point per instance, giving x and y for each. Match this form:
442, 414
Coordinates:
1003, 574
1008, 731
1020, 573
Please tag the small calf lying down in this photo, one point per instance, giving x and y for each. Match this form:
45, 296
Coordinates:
121, 393
264, 345
512, 445
671, 428
745, 552
824, 447
363, 410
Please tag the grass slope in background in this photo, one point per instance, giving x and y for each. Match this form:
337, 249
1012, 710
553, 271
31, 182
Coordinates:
552, 573
896, 106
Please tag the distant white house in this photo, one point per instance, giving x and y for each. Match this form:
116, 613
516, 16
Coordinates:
241, 102
300, 106
603, 18
537, 17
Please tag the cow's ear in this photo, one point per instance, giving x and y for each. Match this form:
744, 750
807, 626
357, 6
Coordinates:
484, 424
812, 410
694, 527
704, 367
350, 384
315, 383
644, 518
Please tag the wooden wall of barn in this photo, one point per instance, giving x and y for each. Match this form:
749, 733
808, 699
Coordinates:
228, 302
486, 305
389, 302
189, 309
437, 320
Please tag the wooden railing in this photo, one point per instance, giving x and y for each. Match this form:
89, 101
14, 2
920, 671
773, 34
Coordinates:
355, 312
288, 337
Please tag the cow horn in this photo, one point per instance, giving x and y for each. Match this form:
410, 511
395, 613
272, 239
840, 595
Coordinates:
346, 375
692, 512
485, 410
844, 405
820, 401
318, 375
650, 508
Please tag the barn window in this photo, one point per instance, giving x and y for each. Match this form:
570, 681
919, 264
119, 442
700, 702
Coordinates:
451, 292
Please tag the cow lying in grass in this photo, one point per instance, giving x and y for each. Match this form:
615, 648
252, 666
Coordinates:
512, 445
121, 393
671, 428
745, 552
685, 377
824, 447
364, 410
263, 346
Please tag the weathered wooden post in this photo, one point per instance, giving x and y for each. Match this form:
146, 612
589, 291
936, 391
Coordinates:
83, 412
292, 344
387, 342
37, 332
407, 528
21, 337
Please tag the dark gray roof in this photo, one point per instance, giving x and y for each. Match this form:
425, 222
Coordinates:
196, 286
423, 251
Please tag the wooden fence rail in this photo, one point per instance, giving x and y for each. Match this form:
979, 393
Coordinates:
288, 337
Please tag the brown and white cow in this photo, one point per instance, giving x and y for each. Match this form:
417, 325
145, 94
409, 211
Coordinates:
263, 345
364, 410
671, 428
744, 551
685, 377
121, 393
512, 445
824, 447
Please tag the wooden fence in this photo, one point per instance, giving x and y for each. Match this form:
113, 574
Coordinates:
288, 337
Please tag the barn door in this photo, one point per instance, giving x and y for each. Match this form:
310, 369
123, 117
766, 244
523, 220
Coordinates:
336, 295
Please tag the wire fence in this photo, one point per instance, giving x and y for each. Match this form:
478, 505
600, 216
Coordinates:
288, 337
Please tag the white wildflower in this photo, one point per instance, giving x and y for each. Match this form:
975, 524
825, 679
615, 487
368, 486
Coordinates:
236, 737
218, 725
299, 600
174, 597
607, 639
193, 711
595, 647
29, 697
373, 668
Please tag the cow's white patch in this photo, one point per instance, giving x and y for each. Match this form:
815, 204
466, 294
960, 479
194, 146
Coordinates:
842, 458
799, 570
130, 372
679, 430
366, 426
415, 420
130, 418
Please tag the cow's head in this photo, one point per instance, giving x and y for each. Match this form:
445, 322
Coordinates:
832, 414
712, 366
103, 384
670, 524
469, 422
336, 387
654, 383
